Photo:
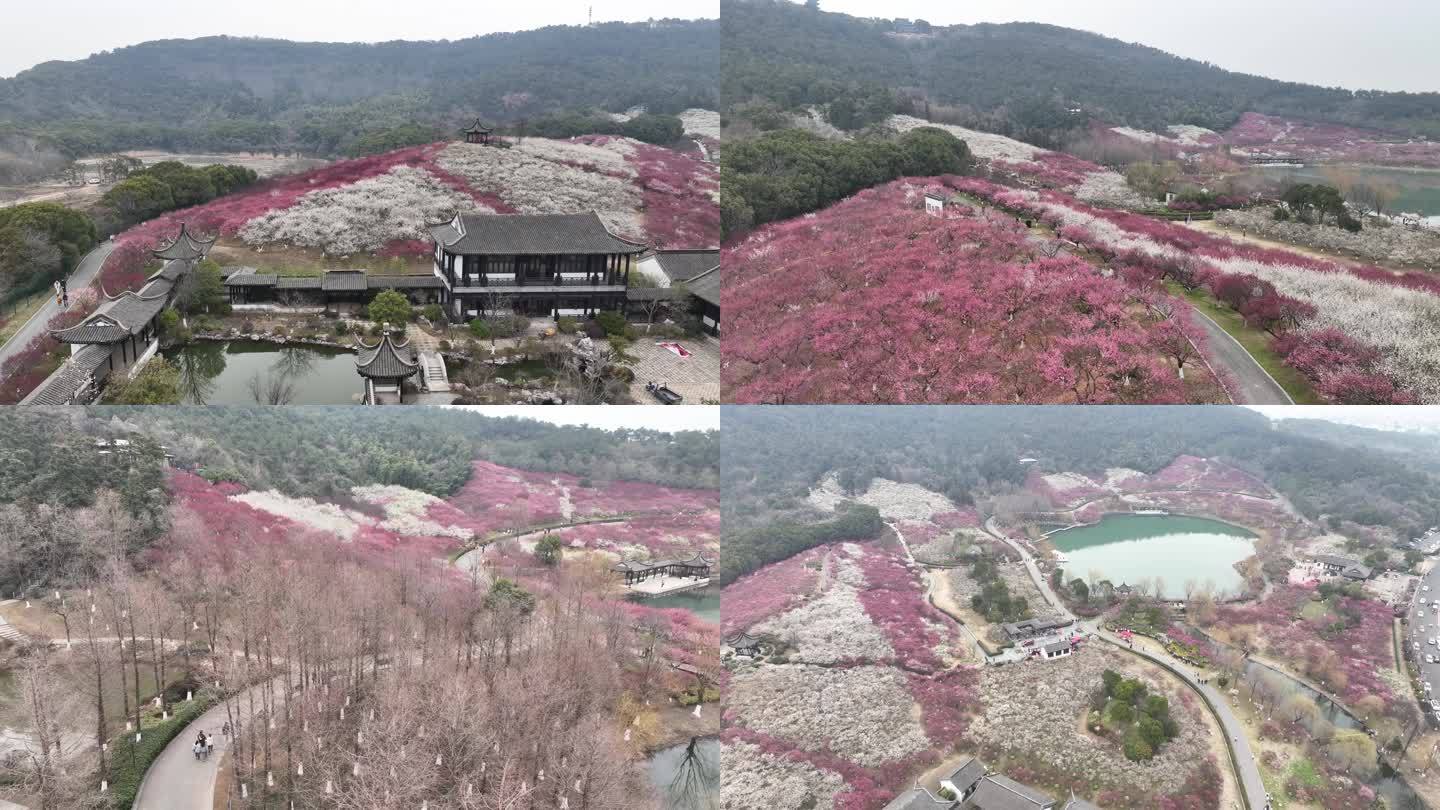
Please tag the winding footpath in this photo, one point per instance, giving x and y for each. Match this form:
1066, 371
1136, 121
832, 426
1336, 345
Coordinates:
1242, 759
1253, 384
176, 780
85, 273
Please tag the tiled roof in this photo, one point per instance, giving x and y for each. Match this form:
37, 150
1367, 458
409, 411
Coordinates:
706, 287
384, 360
171, 271
967, 774
918, 799
297, 283
683, 265
530, 234
343, 281
478, 126
411, 282
61, 387
185, 247
997, 792
250, 278
116, 319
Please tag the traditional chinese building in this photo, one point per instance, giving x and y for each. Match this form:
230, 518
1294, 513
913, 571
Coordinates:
478, 133
331, 289
385, 366
696, 271
638, 571
535, 265
123, 330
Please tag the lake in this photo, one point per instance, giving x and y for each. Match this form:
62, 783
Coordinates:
704, 603
686, 779
1129, 548
228, 372
1419, 189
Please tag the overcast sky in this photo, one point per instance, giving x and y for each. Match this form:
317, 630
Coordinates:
1379, 45
74, 29
611, 417
1382, 417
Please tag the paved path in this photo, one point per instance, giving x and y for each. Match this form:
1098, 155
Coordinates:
79, 280
1242, 758
1254, 384
175, 780
11, 633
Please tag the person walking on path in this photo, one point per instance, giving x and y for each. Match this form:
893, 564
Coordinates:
209, 745
197, 748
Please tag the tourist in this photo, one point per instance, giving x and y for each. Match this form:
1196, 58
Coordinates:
209, 745
225, 729
197, 748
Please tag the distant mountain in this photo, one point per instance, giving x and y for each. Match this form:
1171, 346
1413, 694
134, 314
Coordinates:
1422, 446
1027, 75
234, 93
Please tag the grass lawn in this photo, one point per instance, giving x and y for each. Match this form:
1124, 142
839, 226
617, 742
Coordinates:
1255, 341
12, 317
1315, 610
38, 621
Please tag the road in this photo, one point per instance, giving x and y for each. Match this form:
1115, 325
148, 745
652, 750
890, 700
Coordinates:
80, 279
1242, 758
1255, 385
1420, 630
175, 780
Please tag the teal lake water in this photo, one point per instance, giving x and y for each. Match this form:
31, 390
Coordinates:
221, 373
705, 604
1419, 190
1178, 549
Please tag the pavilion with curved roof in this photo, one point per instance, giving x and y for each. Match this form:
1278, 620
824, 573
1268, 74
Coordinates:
385, 366
123, 331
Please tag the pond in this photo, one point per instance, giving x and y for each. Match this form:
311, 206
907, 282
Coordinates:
704, 603
243, 372
687, 777
1419, 189
1175, 548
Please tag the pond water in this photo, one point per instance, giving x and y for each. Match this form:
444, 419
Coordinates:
688, 778
1178, 549
704, 603
1419, 190
243, 372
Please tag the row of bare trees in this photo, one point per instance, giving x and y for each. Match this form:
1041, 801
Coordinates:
350, 678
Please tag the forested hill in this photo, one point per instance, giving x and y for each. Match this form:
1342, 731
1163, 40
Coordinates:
774, 455
1021, 76
325, 451
235, 93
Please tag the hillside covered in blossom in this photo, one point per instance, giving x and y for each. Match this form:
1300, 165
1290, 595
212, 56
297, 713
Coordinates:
1085, 323
873, 300
381, 205
475, 606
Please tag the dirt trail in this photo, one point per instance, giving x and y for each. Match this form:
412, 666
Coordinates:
1216, 229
